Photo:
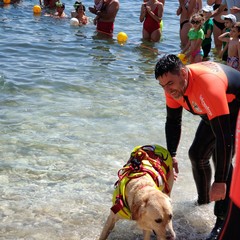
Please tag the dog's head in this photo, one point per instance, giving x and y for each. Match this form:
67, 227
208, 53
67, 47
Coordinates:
155, 213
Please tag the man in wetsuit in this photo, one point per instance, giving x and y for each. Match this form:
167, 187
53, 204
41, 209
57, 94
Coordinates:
212, 91
231, 229
106, 16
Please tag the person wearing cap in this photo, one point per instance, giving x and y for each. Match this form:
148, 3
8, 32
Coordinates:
233, 7
229, 21
208, 30
233, 46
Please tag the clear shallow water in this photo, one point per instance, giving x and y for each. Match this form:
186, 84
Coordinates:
73, 106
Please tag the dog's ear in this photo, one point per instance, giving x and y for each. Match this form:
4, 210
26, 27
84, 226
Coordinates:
138, 209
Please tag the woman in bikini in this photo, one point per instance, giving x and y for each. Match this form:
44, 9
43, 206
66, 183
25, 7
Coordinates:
218, 24
151, 16
185, 10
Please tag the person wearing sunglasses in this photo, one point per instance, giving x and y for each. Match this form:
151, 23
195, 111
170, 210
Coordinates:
195, 38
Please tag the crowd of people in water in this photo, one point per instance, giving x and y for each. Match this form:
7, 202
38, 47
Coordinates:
219, 21
105, 11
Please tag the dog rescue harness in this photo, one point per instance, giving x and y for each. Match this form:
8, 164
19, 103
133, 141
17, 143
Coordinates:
153, 160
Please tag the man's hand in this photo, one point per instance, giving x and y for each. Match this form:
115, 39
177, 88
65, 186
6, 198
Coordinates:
217, 191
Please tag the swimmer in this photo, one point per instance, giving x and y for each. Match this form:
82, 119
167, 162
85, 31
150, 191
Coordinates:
60, 10
233, 41
218, 23
185, 10
79, 13
151, 16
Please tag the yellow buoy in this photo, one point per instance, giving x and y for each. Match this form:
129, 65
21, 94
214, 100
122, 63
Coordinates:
6, 1
183, 58
37, 9
122, 37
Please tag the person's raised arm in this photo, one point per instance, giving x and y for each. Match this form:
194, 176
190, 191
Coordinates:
224, 37
158, 17
218, 10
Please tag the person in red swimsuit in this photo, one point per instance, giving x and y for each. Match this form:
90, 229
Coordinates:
151, 14
212, 91
106, 16
231, 229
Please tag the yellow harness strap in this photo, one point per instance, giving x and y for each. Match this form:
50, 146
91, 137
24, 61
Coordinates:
147, 168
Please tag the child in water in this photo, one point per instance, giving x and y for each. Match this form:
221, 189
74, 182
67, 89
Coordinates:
80, 13
60, 10
195, 36
233, 42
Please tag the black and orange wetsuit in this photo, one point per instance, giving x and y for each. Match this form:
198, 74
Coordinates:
213, 92
231, 228
150, 25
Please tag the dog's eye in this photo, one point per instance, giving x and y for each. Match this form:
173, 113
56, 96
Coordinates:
159, 220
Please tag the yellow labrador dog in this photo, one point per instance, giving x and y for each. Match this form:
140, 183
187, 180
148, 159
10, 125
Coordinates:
142, 193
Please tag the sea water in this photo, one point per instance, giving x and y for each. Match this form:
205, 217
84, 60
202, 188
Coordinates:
73, 106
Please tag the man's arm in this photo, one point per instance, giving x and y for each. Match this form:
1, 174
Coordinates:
173, 132
223, 151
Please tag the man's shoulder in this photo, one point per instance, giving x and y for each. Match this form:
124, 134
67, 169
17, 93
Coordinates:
206, 67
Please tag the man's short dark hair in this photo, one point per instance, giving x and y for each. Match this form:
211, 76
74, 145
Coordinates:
168, 63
